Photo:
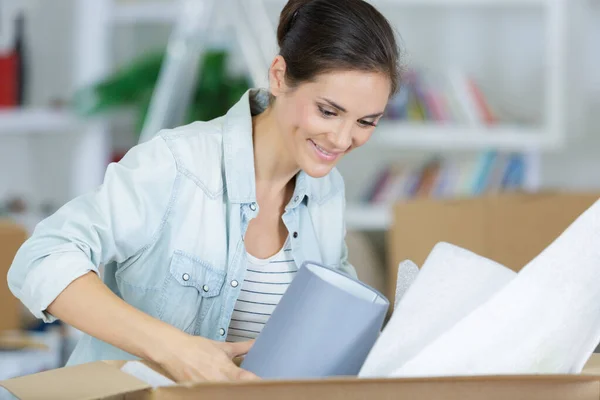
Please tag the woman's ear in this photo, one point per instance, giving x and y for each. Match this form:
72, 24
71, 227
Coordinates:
277, 84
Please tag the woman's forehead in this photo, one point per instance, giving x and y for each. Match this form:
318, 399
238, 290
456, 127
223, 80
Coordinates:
356, 91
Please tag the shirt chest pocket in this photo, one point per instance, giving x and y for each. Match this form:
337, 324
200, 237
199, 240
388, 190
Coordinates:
189, 290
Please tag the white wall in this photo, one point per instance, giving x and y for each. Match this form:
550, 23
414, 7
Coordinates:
503, 48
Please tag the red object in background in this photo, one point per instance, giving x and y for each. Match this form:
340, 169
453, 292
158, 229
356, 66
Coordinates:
118, 155
9, 80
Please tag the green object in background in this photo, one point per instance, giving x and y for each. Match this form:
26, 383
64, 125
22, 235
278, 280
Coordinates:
121, 89
216, 90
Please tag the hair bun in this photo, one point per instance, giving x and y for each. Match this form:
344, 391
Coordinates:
288, 16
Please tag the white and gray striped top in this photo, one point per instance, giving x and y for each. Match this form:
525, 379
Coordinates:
265, 282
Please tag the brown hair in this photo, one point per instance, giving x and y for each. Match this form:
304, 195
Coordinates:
319, 36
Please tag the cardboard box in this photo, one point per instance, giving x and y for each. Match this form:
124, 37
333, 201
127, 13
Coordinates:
510, 229
23, 354
105, 380
12, 236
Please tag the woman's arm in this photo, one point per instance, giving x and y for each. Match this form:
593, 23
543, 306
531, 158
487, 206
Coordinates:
110, 224
55, 272
88, 305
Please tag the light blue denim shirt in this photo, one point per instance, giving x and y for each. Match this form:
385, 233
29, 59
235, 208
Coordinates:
168, 224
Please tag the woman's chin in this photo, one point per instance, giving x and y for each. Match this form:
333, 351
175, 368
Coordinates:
317, 170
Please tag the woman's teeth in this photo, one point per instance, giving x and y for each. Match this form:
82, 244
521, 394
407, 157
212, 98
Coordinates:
323, 150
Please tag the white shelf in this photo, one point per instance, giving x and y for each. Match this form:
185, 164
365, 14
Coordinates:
166, 12
24, 121
446, 3
455, 3
160, 12
412, 136
365, 217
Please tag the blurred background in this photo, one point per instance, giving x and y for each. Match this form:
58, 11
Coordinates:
499, 96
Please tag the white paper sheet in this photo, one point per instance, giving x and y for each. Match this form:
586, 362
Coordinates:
407, 274
451, 284
146, 374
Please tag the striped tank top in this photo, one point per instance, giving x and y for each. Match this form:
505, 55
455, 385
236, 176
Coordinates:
265, 282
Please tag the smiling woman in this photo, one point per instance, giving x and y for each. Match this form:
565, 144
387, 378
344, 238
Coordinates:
337, 68
325, 118
202, 228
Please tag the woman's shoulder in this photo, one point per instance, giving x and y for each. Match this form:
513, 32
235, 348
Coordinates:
197, 141
198, 133
197, 149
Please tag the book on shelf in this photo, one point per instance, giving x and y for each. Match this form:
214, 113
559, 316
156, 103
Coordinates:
452, 97
489, 172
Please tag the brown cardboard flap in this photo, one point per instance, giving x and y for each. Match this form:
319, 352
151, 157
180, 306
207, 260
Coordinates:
12, 236
556, 387
510, 229
97, 380
592, 367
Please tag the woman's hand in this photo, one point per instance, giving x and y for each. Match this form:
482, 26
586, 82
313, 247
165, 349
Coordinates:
193, 358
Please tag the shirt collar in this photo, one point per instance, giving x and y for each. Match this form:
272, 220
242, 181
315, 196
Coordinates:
238, 152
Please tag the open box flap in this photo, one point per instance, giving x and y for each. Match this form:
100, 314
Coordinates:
533, 387
100, 380
546, 387
91, 381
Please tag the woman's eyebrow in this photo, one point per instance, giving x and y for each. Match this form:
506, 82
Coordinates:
373, 115
342, 109
334, 105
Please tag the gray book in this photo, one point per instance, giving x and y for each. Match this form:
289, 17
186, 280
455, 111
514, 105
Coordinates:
325, 325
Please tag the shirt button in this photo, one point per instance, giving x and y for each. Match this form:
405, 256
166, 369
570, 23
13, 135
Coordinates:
186, 277
234, 283
205, 288
253, 206
295, 235
222, 332
296, 199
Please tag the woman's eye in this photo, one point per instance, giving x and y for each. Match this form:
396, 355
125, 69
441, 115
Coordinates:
366, 124
327, 113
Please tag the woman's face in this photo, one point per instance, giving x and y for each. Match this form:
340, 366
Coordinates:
325, 119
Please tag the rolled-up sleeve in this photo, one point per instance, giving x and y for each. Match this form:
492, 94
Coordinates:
114, 222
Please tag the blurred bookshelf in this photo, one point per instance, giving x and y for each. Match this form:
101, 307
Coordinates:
449, 110
454, 123
472, 143
438, 177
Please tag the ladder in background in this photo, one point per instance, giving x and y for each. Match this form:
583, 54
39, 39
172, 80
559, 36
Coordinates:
181, 67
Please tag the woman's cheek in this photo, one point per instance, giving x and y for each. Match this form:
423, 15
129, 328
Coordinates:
362, 137
312, 125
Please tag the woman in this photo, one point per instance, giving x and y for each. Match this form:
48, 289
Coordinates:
201, 229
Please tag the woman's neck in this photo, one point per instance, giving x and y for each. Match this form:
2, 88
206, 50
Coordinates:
273, 165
